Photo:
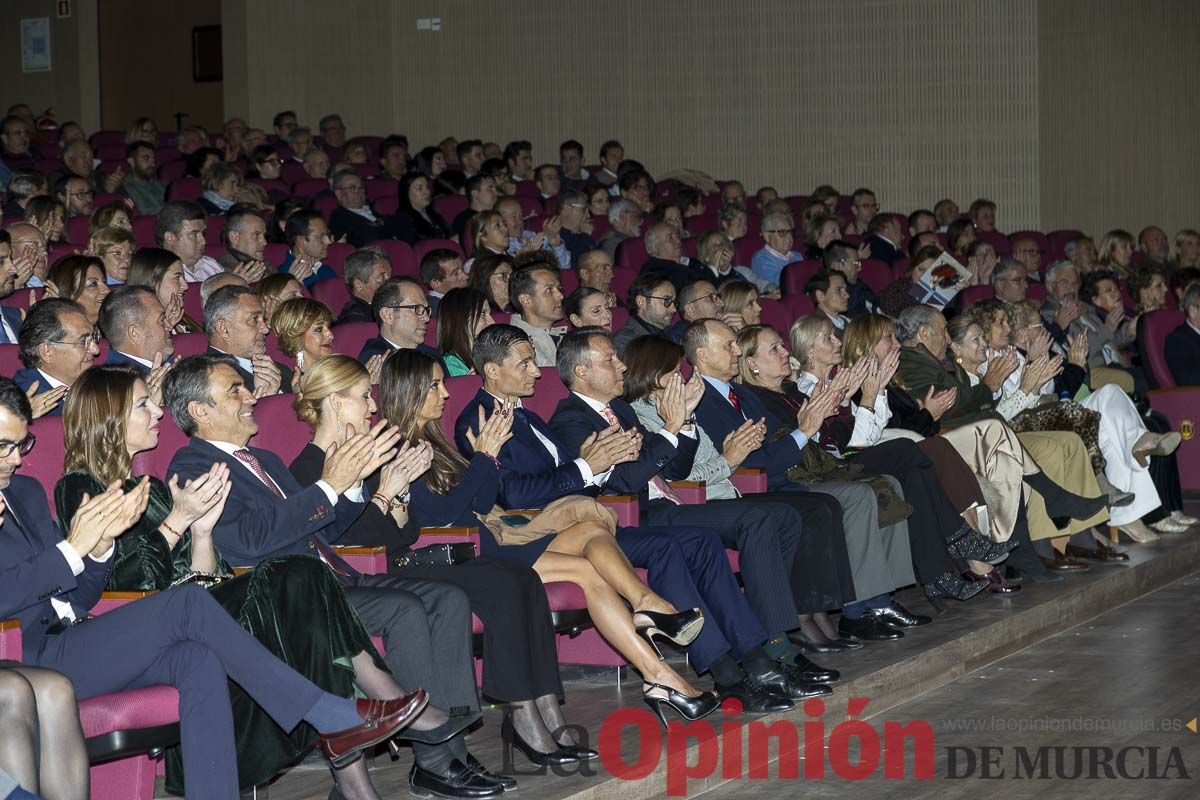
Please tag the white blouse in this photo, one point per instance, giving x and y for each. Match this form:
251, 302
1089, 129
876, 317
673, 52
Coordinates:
869, 423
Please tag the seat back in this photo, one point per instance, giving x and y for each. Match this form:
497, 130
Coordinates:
401, 256
332, 293
278, 428
184, 188
776, 314
631, 254
796, 275
547, 392
973, 294
875, 274
189, 344
47, 464
10, 359
1153, 329
1182, 407
349, 338
462, 390
421, 248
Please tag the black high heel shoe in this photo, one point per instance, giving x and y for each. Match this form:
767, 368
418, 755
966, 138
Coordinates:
511, 738
690, 708
969, 545
680, 628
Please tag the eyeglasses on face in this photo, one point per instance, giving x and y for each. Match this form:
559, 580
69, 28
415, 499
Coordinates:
711, 297
24, 447
419, 310
669, 302
83, 342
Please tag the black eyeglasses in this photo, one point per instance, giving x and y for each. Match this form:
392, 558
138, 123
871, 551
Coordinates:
84, 342
669, 302
24, 447
711, 297
419, 310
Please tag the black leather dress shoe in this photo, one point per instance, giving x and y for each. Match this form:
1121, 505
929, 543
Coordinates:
461, 782
1012, 574
899, 616
869, 629
786, 683
1103, 553
755, 696
805, 671
507, 782
823, 648
1064, 564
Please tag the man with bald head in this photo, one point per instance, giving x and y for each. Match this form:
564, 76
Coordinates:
595, 270
665, 250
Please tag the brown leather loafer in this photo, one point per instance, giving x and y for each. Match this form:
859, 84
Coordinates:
1064, 564
382, 719
1102, 552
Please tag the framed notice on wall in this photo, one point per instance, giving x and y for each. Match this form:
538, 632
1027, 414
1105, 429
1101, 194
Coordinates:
35, 44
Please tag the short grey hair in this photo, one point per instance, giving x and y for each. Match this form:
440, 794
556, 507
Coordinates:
359, 264
222, 304
654, 237
574, 350
1057, 267
1006, 266
912, 319
216, 281
618, 207
570, 196
771, 220
1191, 297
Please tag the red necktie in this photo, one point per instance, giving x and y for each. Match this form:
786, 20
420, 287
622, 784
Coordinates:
658, 483
322, 549
733, 400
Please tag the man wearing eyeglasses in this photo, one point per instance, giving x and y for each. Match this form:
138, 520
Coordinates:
841, 256
865, 207
76, 194
402, 313
769, 262
700, 300
651, 304
57, 344
1028, 252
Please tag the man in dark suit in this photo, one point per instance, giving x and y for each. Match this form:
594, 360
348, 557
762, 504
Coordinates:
245, 239
426, 626
400, 309
576, 224
57, 344
1182, 347
236, 326
180, 637
687, 565
884, 238
365, 271
10, 317
651, 304
883, 560
354, 220
133, 321
766, 535
665, 250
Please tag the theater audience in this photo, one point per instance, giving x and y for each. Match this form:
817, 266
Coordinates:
577, 225
898, 296
1182, 347
24, 185
519, 656
595, 271
481, 196
49, 216
272, 291
180, 228
162, 271
885, 237
768, 263
115, 248
1116, 253
491, 275
1010, 280
135, 325
626, 222
245, 240
415, 219
354, 221
10, 316
741, 304
221, 182
267, 513
827, 289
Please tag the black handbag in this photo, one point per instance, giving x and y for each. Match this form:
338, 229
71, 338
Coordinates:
437, 555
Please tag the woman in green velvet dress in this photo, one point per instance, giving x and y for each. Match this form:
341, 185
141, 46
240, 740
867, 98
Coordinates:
293, 605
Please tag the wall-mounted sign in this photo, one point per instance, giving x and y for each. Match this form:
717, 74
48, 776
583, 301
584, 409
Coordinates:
35, 44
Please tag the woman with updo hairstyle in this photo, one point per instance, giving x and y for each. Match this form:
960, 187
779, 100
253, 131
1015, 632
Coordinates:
462, 314
520, 664
79, 278
108, 419
276, 289
162, 271
304, 330
588, 307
